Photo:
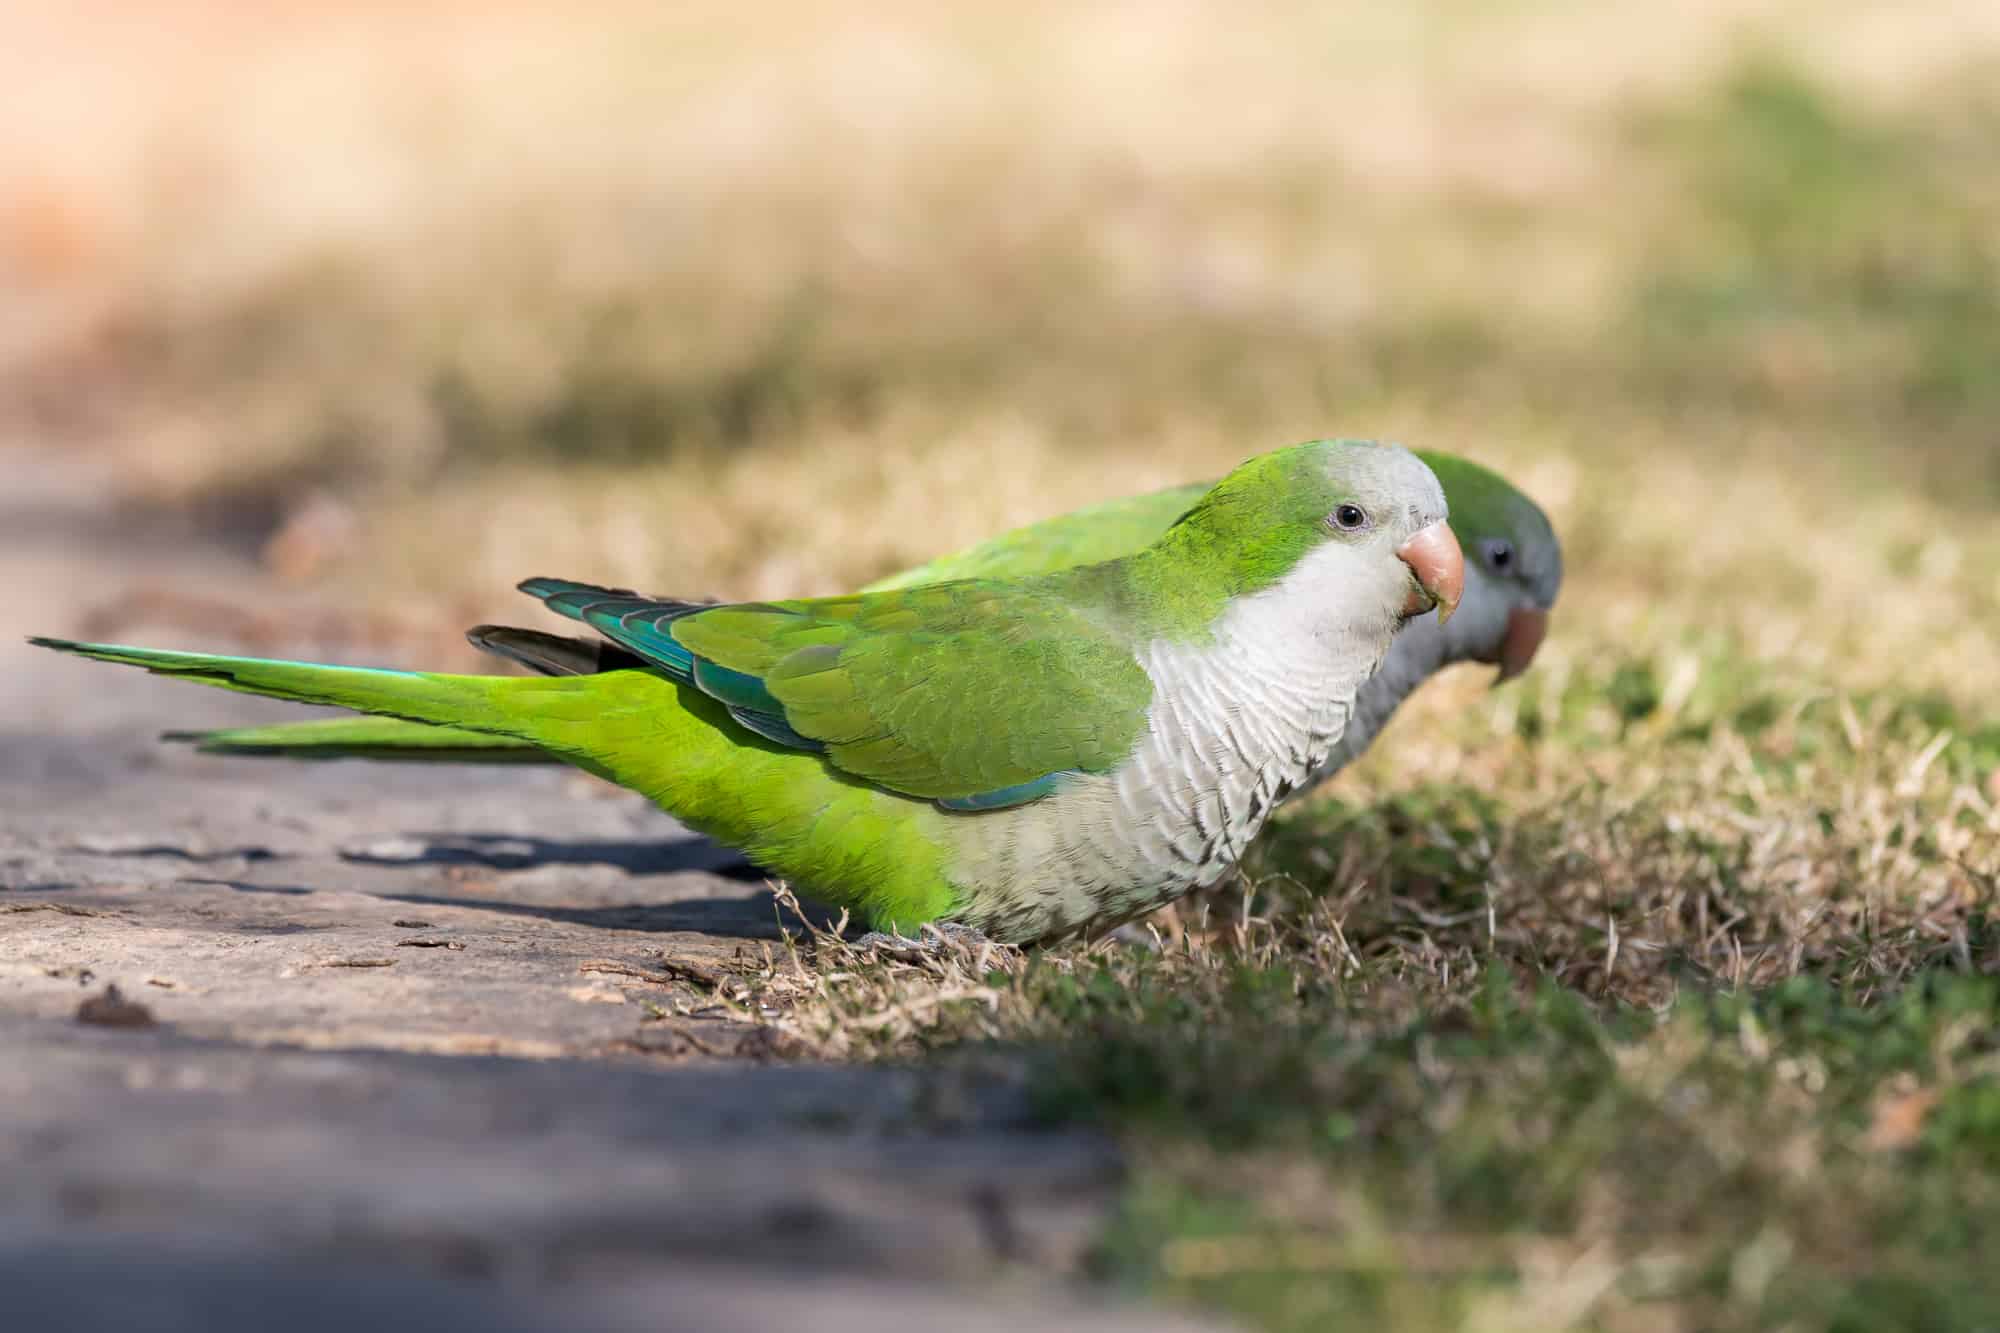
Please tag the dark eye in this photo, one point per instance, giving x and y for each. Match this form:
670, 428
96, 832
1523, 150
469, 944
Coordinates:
1499, 556
1349, 517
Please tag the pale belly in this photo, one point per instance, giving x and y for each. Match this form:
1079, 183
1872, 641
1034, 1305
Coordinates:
1176, 816
1238, 720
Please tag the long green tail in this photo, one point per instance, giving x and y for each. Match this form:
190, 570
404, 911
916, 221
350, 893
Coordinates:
367, 738
496, 712
886, 856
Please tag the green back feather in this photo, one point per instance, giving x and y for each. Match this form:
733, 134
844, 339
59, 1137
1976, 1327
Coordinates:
1081, 537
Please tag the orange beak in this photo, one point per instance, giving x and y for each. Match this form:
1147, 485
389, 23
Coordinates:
1526, 627
1439, 565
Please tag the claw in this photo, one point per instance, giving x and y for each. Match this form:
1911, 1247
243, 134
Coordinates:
932, 937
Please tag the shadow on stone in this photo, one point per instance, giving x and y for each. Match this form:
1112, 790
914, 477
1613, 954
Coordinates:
498, 851
146, 851
753, 917
243, 886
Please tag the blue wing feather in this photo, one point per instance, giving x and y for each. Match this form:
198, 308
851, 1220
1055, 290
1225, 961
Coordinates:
738, 689
774, 728
1001, 797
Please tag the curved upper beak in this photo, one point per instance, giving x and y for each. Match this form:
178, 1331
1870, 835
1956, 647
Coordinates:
1439, 565
1526, 628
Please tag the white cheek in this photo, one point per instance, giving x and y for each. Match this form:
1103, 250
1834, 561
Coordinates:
1343, 587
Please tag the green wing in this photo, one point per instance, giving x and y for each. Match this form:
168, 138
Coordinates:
1081, 537
974, 694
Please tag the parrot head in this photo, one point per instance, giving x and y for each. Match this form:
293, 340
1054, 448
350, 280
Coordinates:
1335, 507
1513, 568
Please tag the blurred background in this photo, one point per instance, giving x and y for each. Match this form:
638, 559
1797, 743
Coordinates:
331, 321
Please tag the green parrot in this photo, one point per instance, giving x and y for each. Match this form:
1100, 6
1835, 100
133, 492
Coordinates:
1023, 757
1513, 573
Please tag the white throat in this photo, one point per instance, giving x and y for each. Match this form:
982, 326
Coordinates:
1244, 718
1240, 718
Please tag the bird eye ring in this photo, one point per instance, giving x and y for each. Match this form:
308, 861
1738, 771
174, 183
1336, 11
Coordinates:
1499, 555
1348, 517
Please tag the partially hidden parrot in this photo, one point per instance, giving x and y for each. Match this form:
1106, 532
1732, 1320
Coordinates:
1512, 575
1025, 757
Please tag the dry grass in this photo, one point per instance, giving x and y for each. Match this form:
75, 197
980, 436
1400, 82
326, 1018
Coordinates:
1697, 1028
1653, 991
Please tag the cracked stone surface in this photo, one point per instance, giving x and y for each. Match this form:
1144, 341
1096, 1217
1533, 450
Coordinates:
339, 905
384, 1062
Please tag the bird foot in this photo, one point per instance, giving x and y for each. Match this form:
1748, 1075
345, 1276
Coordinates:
1138, 936
931, 938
